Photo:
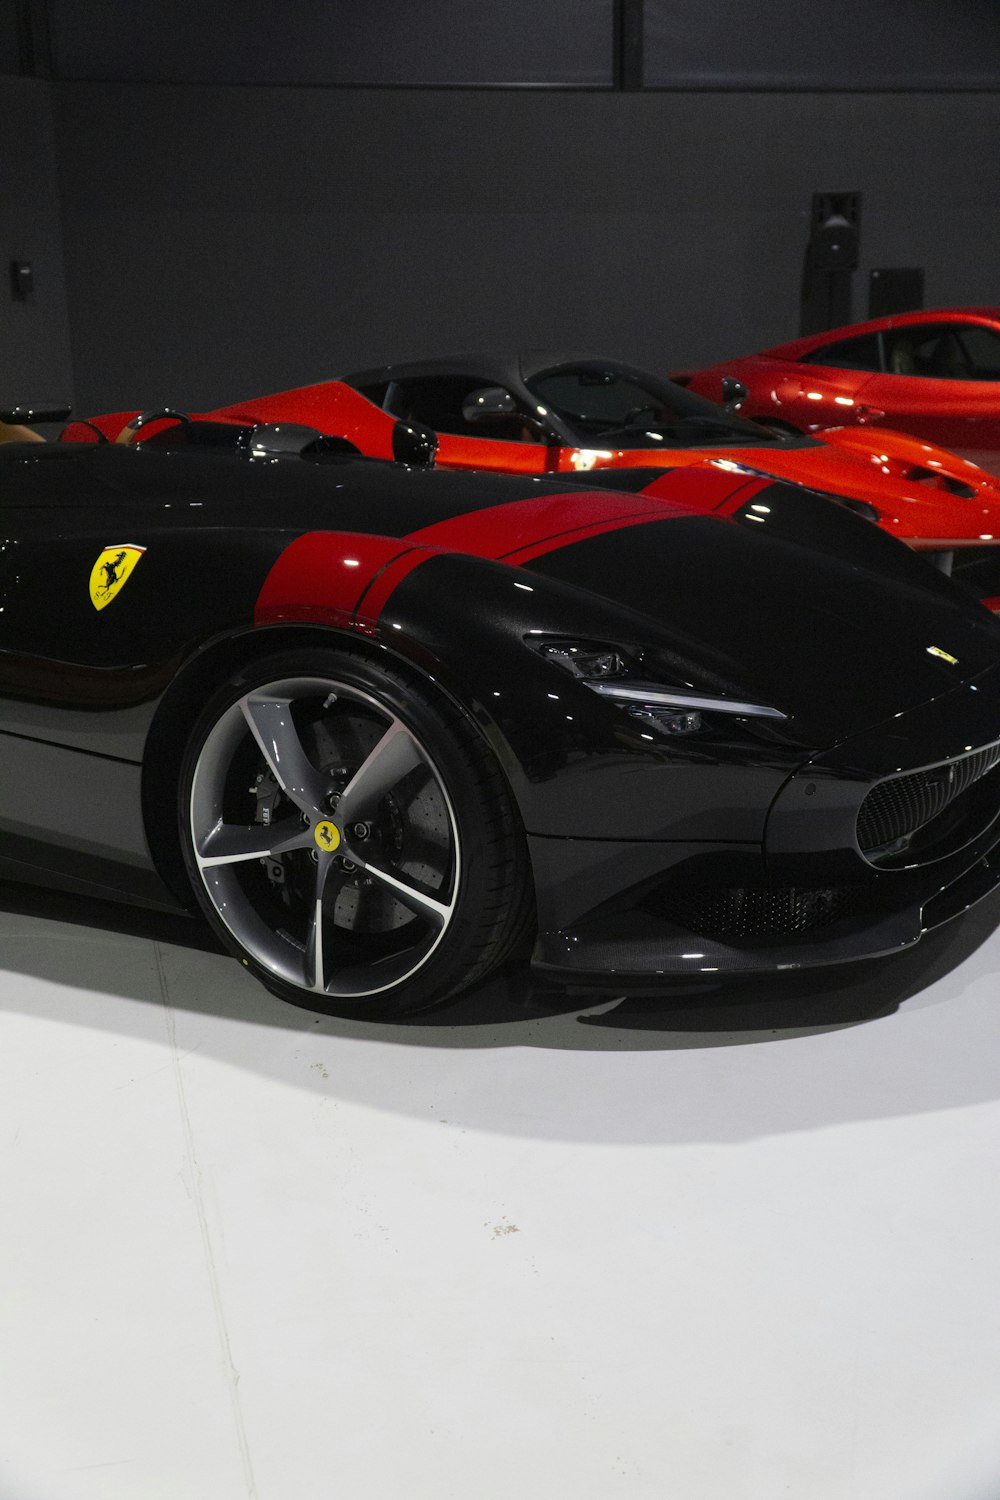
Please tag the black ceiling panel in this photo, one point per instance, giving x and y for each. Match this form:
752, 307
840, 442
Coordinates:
822, 44
337, 42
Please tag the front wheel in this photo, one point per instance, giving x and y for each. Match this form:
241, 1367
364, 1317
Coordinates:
350, 836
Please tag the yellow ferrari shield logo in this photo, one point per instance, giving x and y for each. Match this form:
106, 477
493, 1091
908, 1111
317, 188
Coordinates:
111, 571
327, 836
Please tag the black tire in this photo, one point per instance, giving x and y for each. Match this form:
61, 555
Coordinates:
372, 894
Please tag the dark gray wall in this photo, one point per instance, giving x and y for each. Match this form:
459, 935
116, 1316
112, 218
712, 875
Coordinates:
223, 241
34, 335
10, 40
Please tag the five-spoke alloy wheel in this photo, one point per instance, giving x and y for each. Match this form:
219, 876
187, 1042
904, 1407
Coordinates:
350, 836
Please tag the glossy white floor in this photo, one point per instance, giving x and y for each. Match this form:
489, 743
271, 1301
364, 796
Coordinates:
725, 1249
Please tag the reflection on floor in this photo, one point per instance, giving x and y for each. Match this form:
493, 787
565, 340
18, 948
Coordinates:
738, 1243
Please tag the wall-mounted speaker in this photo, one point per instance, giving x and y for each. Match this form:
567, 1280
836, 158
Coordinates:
830, 261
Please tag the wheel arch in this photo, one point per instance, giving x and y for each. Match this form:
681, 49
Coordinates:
199, 678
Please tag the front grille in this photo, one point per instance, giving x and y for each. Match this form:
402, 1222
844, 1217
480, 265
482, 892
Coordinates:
898, 808
754, 912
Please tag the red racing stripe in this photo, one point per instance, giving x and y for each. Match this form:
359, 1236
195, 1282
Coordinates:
345, 579
376, 596
501, 530
578, 534
322, 575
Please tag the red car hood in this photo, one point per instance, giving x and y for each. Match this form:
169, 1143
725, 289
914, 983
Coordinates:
922, 493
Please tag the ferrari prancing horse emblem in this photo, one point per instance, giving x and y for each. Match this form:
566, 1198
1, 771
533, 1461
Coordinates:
110, 572
327, 836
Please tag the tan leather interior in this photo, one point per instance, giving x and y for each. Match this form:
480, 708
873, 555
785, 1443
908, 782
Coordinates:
10, 432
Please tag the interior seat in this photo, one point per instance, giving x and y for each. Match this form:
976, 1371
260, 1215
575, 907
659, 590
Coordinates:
948, 359
509, 427
901, 358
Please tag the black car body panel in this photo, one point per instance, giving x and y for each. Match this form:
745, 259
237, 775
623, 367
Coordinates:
728, 846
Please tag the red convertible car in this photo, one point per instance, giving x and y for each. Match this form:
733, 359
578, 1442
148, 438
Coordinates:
935, 375
551, 414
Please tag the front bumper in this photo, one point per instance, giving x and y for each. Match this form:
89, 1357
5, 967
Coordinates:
642, 945
807, 896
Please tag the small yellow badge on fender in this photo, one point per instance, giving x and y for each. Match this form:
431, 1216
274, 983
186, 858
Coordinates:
110, 572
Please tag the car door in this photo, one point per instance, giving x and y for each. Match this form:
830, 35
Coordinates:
101, 592
825, 388
941, 382
509, 443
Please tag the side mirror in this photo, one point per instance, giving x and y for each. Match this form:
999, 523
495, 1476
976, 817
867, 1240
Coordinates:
413, 443
39, 411
490, 401
734, 393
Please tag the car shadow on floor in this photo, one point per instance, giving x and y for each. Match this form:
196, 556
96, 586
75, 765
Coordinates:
791, 1002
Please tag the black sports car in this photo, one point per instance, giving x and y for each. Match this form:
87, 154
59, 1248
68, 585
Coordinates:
390, 728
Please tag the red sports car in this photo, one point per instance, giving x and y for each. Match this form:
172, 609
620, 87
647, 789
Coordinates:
549, 413
935, 375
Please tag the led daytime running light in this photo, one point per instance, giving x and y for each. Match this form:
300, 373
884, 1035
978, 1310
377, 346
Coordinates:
646, 693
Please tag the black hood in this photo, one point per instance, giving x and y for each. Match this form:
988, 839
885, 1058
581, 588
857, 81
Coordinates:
836, 645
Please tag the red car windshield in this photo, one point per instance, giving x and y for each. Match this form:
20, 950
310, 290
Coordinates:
637, 410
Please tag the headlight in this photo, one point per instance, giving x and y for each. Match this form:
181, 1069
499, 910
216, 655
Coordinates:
592, 663
609, 672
